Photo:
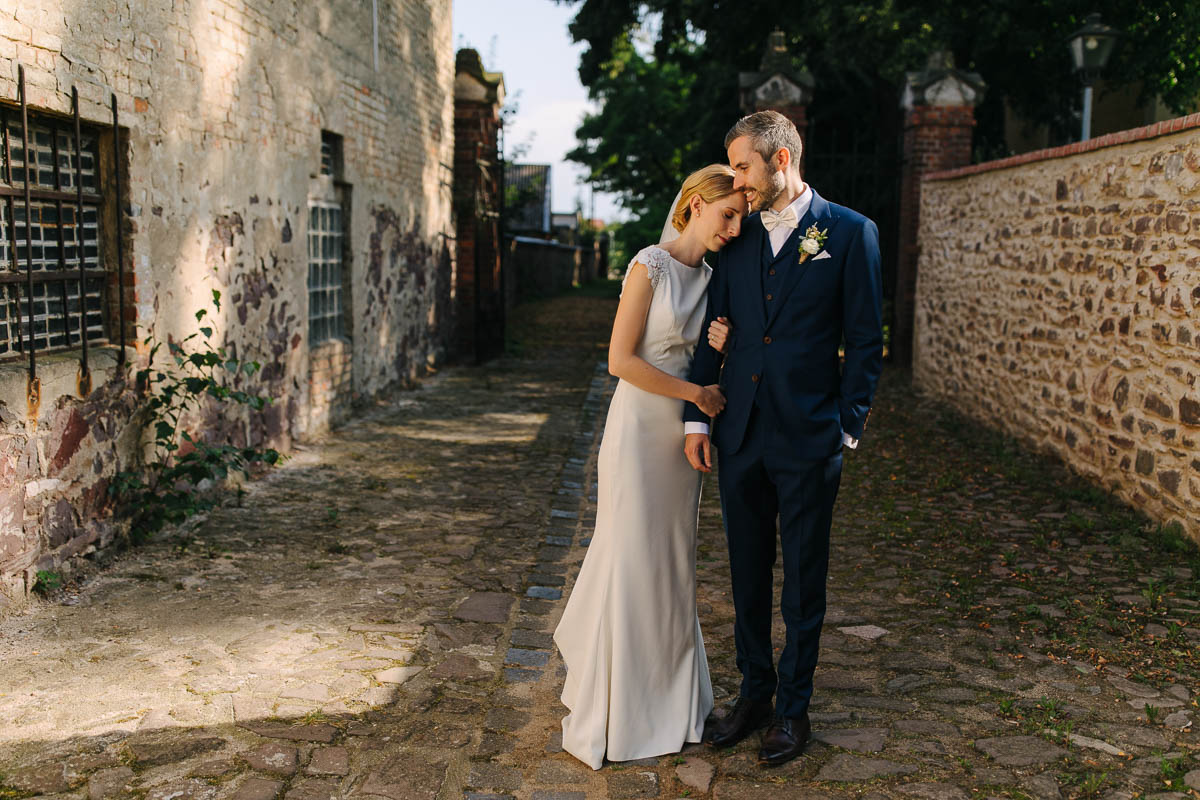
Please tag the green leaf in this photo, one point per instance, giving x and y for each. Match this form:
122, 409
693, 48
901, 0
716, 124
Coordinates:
207, 332
216, 299
200, 314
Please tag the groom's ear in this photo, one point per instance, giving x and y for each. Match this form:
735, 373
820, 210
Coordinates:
782, 158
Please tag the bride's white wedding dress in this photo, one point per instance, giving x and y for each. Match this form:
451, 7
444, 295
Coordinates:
637, 680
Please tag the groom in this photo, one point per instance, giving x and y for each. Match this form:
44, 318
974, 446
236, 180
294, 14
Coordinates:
801, 279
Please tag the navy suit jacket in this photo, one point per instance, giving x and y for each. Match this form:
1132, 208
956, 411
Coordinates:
784, 352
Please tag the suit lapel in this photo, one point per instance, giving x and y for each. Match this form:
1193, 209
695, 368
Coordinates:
818, 214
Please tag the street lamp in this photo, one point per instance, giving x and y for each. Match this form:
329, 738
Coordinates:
1091, 46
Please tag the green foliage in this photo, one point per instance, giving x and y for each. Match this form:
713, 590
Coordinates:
168, 491
664, 75
1171, 772
47, 581
10, 793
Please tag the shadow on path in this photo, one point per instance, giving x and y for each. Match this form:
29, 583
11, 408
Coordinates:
375, 620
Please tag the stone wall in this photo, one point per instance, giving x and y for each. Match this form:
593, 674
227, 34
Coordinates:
1058, 299
543, 268
224, 103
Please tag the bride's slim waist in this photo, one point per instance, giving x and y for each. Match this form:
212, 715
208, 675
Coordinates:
626, 392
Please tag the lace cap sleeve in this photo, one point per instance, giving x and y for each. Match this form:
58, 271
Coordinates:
656, 260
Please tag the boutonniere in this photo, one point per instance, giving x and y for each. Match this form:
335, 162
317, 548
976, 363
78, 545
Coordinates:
812, 242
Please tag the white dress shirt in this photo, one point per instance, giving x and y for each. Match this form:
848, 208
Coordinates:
800, 207
777, 238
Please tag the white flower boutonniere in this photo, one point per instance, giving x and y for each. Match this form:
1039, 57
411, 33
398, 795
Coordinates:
812, 242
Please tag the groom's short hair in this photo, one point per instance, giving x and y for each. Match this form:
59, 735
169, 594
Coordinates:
768, 132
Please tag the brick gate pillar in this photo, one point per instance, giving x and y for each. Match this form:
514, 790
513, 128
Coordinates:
478, 95
939, 103
779, 85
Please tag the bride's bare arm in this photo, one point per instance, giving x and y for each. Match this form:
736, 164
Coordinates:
623, 361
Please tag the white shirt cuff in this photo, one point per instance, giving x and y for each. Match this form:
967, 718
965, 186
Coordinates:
695, 427
849, 441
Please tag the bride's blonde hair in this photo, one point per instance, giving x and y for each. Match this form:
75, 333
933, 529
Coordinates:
711, 183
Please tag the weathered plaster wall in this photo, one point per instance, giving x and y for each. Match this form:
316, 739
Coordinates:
1058, 298
224, 102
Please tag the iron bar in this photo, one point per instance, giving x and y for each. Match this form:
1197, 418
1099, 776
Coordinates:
477, 261
28, 222
502, 248
12, 213
48, 194
49, 276
62, 246
12, 307
79, 247
120, 234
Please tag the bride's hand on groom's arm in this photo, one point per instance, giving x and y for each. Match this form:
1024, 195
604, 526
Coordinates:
698, 450
718, 334
709, 399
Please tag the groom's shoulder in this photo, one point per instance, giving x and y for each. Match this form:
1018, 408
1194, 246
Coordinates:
849, 215
750, 225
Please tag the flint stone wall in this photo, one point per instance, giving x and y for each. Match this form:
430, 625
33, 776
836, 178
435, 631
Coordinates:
1058, 298
224, 103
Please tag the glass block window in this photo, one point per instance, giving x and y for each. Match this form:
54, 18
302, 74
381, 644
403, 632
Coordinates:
56, 232
325, 242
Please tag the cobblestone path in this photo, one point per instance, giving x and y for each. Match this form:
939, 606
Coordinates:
374, 621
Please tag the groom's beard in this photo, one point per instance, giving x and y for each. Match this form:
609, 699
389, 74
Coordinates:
764, 196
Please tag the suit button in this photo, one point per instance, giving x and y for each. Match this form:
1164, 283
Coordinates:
754, 378
766, 340
770, 297
771, 272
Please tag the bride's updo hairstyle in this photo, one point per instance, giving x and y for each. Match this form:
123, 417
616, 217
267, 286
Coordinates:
711, 183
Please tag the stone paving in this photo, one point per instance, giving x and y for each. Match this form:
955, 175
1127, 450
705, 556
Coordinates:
373, 620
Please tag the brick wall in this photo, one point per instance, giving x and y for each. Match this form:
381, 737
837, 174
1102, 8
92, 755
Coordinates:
225, 102
1058, 298
935, 138
478, 300
544, 268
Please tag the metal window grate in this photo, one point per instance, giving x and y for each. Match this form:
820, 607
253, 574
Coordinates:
53, 231
325, 242
326, 156
331, 154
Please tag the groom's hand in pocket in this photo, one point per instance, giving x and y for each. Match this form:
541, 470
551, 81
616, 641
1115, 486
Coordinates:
698, 450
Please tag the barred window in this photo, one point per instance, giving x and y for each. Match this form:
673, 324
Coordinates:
53, 233
328, 206
325, 234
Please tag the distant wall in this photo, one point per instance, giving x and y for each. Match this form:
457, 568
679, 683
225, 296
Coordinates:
544, 268
1058, 299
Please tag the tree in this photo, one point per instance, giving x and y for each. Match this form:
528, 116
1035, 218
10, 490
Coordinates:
664, 73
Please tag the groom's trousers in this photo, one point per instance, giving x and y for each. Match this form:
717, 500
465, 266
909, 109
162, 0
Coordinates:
760, 483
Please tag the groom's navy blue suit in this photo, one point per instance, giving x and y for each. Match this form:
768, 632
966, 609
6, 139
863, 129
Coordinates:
779, 440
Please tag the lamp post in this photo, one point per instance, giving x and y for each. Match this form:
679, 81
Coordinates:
1090, 48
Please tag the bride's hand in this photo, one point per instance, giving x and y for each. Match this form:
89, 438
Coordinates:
718, 334
710, 400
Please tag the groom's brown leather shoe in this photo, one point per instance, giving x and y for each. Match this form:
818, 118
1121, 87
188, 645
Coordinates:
784, 740
746, 717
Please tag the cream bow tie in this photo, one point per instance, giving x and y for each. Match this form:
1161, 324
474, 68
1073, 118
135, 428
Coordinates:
773, 219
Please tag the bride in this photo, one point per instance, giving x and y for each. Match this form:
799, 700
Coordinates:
637, 680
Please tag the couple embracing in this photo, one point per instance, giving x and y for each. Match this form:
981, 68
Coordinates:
792, 284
